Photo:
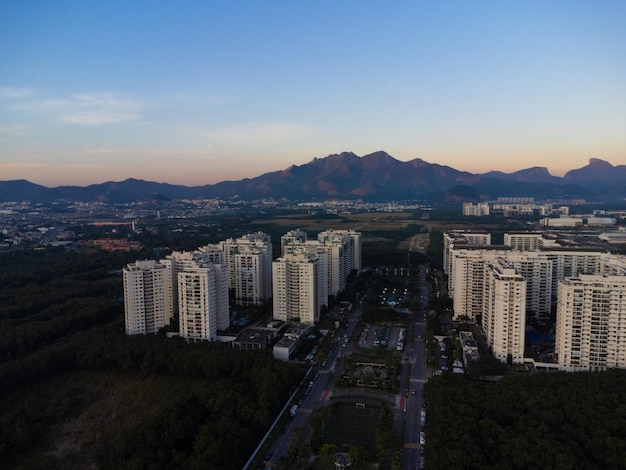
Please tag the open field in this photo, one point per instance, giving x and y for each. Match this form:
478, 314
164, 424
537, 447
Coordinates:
354, 426
366, 221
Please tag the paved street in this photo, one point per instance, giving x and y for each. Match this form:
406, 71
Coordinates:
407, 404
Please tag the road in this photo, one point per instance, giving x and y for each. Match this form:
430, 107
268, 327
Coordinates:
320, 386
415, 370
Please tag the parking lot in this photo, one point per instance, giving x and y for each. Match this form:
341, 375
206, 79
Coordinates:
381, 336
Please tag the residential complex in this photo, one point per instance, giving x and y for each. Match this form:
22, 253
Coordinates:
186, 286
513, 207
308, 271
507, 286
194, 288
480, 209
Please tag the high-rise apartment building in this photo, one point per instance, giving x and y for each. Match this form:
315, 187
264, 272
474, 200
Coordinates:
524, 241
613, 265
466, 278
591, 323
292, 239
313, 248
344, 255
570, 262
249, 263
187, 286
203, 301
461, 237
542, 269
536, 269
212, 253
586, 284
504, 310
146, 297
480, 209
295, 286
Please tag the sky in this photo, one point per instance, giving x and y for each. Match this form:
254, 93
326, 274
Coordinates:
198, 92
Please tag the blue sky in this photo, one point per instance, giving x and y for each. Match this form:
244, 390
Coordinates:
193, 92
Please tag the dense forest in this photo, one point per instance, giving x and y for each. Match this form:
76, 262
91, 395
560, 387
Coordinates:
547, 421
76, 392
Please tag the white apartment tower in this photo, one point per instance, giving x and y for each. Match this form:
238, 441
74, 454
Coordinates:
146, 297
613, 265
504, 311
569, 262
249, 263
311, 248
466, 277
524, 241
203, 302
212, 253
536, 269
344, 250
213, 305
591, 323
480, 209
295, 286
292, 239
176, 263
460, 237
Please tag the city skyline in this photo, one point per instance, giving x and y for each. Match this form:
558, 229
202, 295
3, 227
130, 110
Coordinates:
198, 93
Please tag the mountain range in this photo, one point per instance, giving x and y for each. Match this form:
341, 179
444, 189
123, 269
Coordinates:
373, 177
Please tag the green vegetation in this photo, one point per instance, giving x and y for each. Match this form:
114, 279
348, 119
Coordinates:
555, 420
364, 434
75, 392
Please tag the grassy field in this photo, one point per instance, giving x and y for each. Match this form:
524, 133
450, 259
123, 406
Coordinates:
354, 426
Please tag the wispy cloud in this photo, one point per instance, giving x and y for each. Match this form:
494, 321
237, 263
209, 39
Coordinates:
12, 93
90, 109
12, 130
259, 133
105, 151
86, 109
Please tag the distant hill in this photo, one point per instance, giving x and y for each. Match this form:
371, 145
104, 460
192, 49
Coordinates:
374, 177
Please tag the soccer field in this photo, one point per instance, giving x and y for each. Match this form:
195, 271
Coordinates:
354, 426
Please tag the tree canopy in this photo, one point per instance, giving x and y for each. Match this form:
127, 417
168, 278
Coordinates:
549, 421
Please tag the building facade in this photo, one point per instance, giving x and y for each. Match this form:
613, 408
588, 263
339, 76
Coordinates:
249, 263
461, 237
504, 312
295, 286
146, 297
344, 256
591, 323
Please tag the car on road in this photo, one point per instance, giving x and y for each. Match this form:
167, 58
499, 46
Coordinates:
413, 392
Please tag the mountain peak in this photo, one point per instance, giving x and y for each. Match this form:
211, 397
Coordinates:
598, 163
597, 174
